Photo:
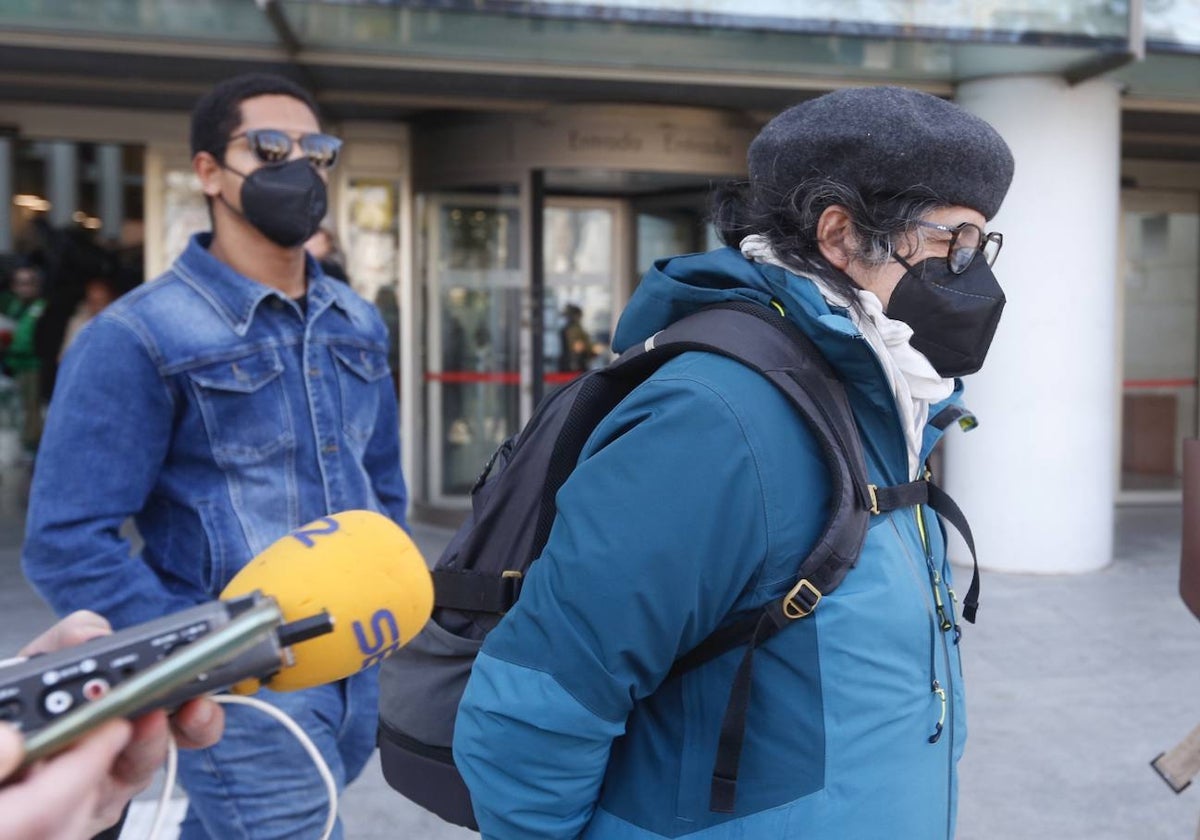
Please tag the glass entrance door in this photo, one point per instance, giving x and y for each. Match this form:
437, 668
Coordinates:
530, 230
582, 250
486, 348
475, 303
478, 324
1159, 389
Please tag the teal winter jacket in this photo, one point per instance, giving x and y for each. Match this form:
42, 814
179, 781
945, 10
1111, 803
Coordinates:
693, 503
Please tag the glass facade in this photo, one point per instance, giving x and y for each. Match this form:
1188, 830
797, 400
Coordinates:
1172, 24
96, 187
580, 300
74, 210
371, 258
476, 299
1159, 394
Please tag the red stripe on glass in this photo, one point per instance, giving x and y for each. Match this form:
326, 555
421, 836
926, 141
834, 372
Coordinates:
500, 377
1139, 384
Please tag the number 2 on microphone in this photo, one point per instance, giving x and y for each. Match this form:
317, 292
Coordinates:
319, 528
384, 641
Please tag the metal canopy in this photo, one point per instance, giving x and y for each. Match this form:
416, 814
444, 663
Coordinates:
389, 62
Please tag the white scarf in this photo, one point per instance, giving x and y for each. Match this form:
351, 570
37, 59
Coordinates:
915, 383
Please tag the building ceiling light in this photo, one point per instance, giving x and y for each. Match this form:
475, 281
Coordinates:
31, 202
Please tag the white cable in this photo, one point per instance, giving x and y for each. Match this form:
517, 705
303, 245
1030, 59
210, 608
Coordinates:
164, 798
291, 726
305, 741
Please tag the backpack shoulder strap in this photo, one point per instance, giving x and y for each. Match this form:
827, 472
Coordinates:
788, 358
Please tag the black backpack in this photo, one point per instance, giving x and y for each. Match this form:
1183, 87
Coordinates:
478, 577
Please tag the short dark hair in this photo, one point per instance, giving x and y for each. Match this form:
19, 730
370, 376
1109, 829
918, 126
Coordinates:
219, 111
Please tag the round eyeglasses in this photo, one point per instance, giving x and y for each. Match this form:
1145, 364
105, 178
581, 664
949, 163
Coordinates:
271, 145
966, 241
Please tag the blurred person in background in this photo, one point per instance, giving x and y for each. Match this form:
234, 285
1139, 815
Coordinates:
98, 293
72, 257
25, 306
575, 345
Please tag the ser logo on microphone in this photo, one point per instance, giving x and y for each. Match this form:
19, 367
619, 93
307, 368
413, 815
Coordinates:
384, 641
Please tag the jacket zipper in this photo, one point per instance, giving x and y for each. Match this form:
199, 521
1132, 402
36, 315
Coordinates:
922, 586
945, 624
945, 695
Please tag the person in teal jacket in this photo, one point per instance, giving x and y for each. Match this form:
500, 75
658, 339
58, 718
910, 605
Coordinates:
695, 500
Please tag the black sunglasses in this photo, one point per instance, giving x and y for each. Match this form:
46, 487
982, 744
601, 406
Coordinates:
967, 240
271, 145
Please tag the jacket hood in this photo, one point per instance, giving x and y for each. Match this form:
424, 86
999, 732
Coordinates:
678, 286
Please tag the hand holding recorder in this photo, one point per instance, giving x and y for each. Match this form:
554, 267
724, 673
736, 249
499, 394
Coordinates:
84, 789
327, 600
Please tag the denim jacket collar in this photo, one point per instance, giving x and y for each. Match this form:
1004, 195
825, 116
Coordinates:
236, 297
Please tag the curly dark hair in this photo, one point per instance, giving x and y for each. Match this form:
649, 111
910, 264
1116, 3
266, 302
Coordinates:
882, 224
219, 111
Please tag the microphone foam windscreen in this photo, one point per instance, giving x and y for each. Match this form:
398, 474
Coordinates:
363, 570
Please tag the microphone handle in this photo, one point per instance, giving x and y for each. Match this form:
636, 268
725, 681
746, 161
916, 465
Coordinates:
156, 665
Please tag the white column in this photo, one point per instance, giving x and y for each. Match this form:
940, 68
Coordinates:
1037, 478
111, 182
6, 193
62, 182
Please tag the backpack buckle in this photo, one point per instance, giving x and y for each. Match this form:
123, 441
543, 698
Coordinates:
802, 600
872, 492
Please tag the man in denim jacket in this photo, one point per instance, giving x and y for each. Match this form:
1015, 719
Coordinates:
236, 397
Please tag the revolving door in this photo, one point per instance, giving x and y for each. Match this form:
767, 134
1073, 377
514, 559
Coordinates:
499, 329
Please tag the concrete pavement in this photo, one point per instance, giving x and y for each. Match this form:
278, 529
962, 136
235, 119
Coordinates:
1074, 683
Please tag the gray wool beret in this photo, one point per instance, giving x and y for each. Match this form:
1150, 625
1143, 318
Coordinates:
885, 141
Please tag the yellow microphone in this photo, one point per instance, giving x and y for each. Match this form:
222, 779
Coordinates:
361, 571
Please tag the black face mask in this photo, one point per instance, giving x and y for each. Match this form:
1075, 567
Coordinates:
285, 202
953, 316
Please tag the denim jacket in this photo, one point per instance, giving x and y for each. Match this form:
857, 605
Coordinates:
219, 414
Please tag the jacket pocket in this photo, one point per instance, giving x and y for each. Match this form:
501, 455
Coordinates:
359, 371
244, 407
214, 549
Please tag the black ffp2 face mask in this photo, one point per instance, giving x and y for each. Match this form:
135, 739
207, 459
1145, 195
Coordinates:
285, 202
953, 316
